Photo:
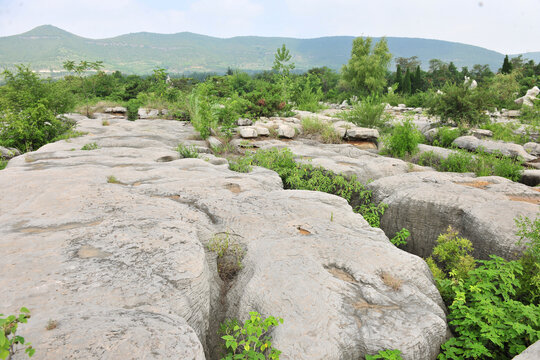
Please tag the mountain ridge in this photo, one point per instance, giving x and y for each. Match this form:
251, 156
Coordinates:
46, 47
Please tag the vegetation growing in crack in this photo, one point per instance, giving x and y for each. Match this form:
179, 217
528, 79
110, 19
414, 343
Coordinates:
9, 340
229, 255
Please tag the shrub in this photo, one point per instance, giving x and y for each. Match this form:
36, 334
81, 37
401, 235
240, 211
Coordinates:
133, 109
429, 158
240, 164
3, 163
8, 334
201, 114
404, 139
367, 113
529, 236
506, 132
250, 340
307, 93
324, 131
445, 136
461, 105
458, 161
400, 238
229, 254
187, 151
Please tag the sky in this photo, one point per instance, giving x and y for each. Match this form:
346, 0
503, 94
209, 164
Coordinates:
506, 26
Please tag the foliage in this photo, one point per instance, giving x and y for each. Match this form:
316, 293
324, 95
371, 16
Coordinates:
385, 355
366, 113
90, 146
240, 164
506, 66
404, 139
133, 109
445, 136
3, 163
485, 317
529, 236
306, 93
503, 89
8, 334
366, 69
460, 104
111, 179
321, 129
29, 108
506, 132
250, 340
282, 67
187, 151
400, 238
88, 84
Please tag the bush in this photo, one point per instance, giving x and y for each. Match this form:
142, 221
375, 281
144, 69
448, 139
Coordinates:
445, 136
250, 340
8, 334
458, 161
367, 113
529, 236
404, 139
187, 151
133, 109
320, 129
385, 355
461, 105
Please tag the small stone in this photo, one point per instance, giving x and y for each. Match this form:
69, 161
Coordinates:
244, 122
214, 141
481, 133
286, 131
359, 133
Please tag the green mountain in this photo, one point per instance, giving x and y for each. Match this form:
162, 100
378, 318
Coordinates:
46, 47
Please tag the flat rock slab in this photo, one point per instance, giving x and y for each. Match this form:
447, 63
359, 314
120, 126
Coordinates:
110, 243
472, 143
482, 209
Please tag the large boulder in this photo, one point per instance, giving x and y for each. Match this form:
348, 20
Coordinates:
472, 143
482, 210
113, 245
529, 98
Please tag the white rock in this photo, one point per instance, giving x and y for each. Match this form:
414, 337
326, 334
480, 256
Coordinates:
262, 131
286, 131
244, 122
214, 142
532, 148
248, 132
115, 110
359, 133
148, 113
472, 143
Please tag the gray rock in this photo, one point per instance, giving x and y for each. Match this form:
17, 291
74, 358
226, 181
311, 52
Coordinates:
481, 133
116, 110
286, 131
511, 113
443, 153
214, 142
248, 132
244, 122
532, 148
529, 98
8, 153
359, 133
531, 353
148, 113
123, 266
472, 143
481, 209
530, 177
262, 131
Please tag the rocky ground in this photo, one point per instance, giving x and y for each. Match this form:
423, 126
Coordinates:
112, 245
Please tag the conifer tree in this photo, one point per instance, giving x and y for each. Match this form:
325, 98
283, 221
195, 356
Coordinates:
416, 83
399, 79
507, 66
407, 82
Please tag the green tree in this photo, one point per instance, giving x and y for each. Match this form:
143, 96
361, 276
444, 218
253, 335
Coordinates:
366, 70
399, 79
406, 87
417, 83
506, 67
86, 82
282, 67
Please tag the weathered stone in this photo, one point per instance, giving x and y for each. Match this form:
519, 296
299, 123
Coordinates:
529, 98
248, 132
511, 113
122, 266
481, 209
443, 153
341, 127
115, 110
359, 133
148, 113
530, 177
262, 131
530, 353
481, 133
244, 122
532, 148
8, 153
472, 143
286, 131
214, 142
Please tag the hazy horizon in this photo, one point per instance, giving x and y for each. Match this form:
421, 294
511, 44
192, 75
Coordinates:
508, 28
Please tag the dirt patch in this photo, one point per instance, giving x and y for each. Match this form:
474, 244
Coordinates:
476, 184
532, 200
340, 274
391, 281
234, 188
363, 145
88, 252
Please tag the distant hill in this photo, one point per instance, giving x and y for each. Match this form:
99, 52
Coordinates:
46, 47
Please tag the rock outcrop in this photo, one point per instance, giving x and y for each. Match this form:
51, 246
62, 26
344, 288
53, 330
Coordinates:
472, 143
111, 244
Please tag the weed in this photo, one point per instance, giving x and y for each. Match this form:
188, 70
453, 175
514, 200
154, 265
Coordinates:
240, 164
391, 281
229, 253
3, 163
133, 109
400, 238
105, 123
8, 338
189, 151
386, 355
113, 180
404, 139
90, 146
321, 129
51, 324
367, 113
251, 339
445, 136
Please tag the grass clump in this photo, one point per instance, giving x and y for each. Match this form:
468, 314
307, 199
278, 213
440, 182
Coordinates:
240, 164
386, 355
229, 253
90, 146
367, 113
111, 179
323, 131
187, 151
3, 163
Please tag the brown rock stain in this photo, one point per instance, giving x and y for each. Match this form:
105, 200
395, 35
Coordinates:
87, 252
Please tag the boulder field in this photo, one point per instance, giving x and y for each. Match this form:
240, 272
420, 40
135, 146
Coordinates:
111, 245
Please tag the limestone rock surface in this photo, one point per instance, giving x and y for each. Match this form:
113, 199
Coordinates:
472, 143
